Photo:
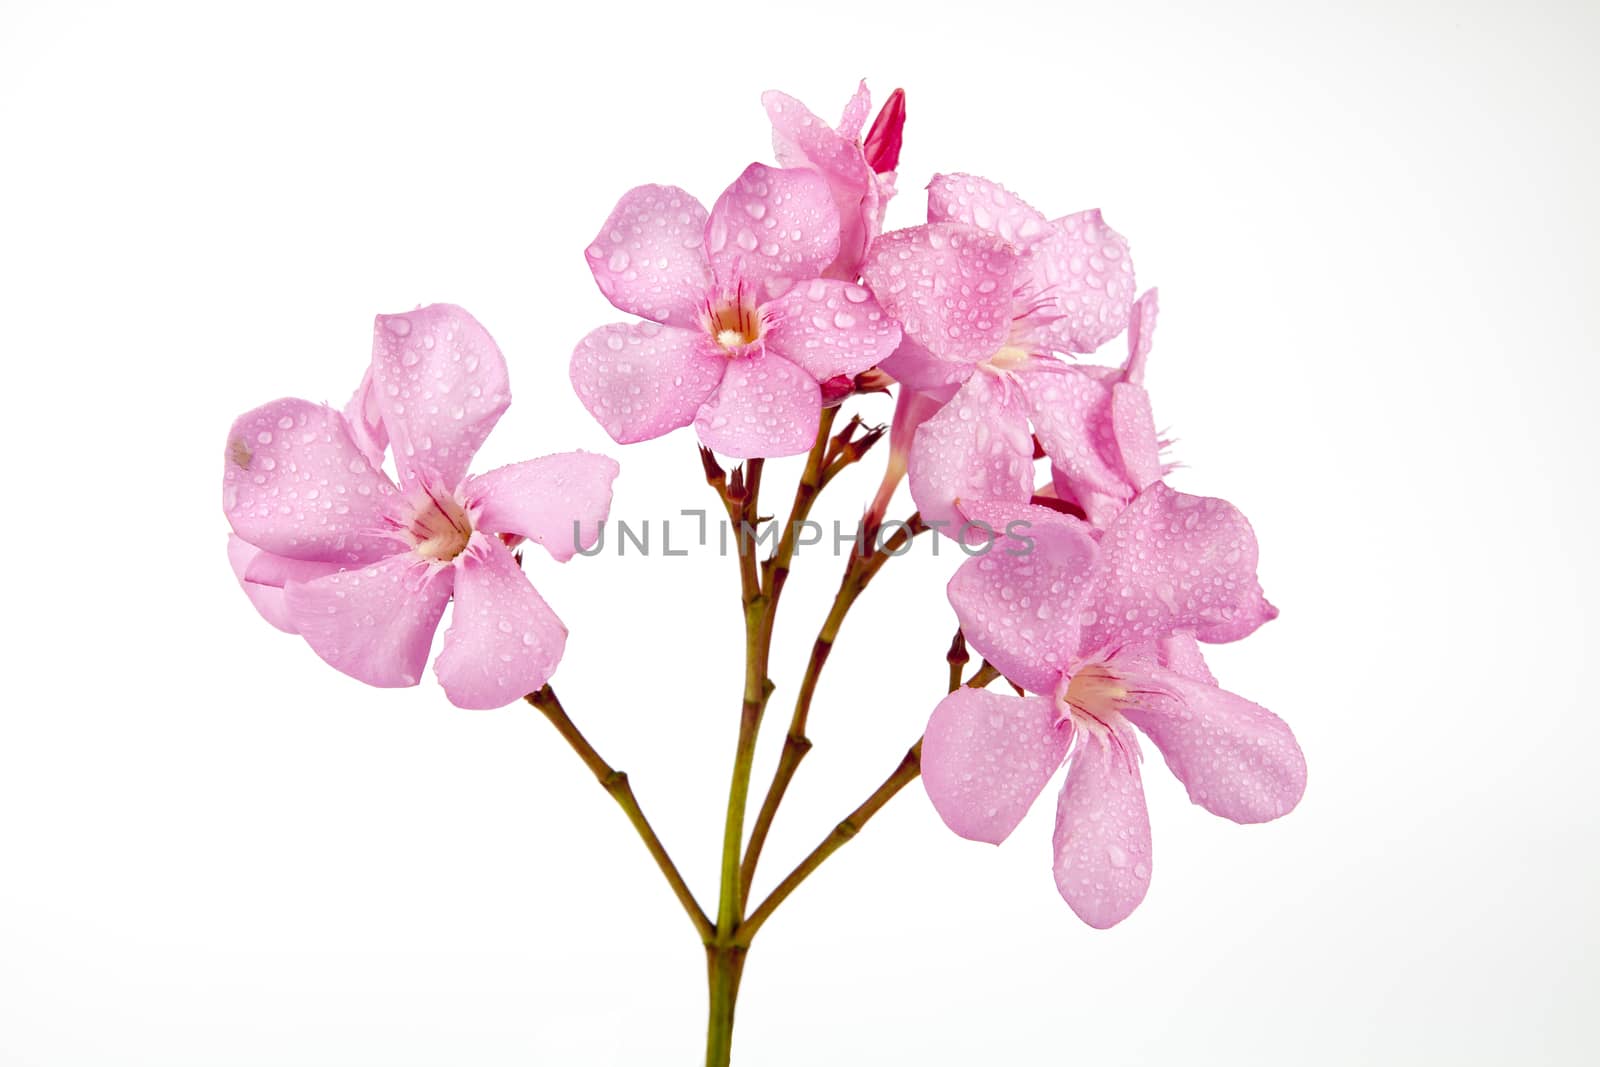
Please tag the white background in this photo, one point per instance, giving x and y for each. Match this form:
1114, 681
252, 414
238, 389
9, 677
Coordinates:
1373, 230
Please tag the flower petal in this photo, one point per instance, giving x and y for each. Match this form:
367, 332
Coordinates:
990, 206
442, 385
274, 572
948, 285
503, 641
1141, 335
829, 327
1071, 413
986, 756
976, 448
296, 485
1173, 562
801, 139
1019, 602
649, 259
916, 368
856, 110
641, 380
771, 228
1133, 430
1102, 838
1082, 272
558, 501
1181, 653
267, 599
765, 406
374, 623
1237, 759
364, 419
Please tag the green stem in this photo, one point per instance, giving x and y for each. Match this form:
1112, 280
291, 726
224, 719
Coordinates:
910, 766
743, 500
724, 967
615, 782
859, 571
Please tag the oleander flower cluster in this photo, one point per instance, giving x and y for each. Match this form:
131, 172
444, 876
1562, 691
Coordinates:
980, 316
1015, 342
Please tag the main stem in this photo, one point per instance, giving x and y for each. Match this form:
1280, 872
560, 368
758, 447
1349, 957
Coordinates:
724, 958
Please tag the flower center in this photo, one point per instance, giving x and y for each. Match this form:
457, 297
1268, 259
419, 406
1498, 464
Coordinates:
734, 322
439, 526
1093, 698
1008, 358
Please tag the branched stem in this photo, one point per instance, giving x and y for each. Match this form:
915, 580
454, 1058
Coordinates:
616, 783
909, 767
859, 571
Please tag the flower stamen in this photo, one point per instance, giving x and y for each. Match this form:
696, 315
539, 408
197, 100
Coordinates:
734, 321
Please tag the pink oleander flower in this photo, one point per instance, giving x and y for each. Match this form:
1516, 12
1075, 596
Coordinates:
330, 548
1102, 633
987, 293
859, 173
743, 326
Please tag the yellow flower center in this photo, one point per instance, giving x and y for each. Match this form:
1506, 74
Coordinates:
1093, 699
440, 527
734, 323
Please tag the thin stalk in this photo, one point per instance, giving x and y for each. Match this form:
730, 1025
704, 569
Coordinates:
743, 501
615, 782
859, 571
910, 766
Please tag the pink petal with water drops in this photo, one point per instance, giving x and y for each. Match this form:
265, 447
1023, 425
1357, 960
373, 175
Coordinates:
1174, 562
986, 756
1133, 429
765, 406
1236, 758
558, 501
266, 569
1070, 412
374, 623
503, 641
295, 484
1102, 838
1082, 274
771, 228
948, 285
987, 205
1019, 602
642, 380
268, 600
977, 448
1181, 653
801, 139
1141, 335
442, 385
854, 118
364, 418
829, 327
649, 259
916, 368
